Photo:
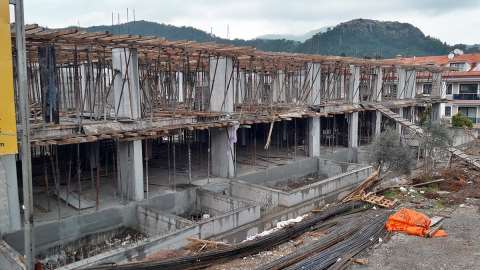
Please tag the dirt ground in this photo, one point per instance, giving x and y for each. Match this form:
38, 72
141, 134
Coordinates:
460, 250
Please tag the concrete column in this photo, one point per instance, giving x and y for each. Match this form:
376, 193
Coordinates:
9, 204
127, 104
402, 74
354, 84
353, 130
437, 85
436, 113
413, 114
411, 84
377, 86
315, 83
222, 147
221, 84
126, 95
130, 170
398, 127
378, 123
314, 137
282, 91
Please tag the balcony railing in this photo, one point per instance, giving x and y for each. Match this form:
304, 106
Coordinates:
466, 96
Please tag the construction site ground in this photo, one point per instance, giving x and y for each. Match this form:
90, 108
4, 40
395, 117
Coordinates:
456, 198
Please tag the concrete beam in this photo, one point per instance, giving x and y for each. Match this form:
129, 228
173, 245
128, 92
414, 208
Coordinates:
9, 203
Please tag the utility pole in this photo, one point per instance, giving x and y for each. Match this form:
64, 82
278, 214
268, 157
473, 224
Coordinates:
25, 140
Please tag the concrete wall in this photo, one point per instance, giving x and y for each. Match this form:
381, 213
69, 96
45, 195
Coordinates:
216, 203
340, 176
70, 229
461, 137
228, 221
173, 240
9, 204
9, 258
324, 187
331, 168
153, 222
266, 197
296, 169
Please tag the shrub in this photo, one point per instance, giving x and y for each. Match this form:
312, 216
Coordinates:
460, 120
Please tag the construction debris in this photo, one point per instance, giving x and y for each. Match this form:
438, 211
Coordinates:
199, 245
363, 187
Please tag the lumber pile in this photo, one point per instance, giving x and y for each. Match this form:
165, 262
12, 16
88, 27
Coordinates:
369, 182
199, 245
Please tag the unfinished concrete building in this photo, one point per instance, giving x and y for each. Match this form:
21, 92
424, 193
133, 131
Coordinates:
139, 143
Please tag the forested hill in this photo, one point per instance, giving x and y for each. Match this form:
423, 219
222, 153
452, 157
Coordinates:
360, 37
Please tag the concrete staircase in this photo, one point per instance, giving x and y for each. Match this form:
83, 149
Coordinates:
419, 131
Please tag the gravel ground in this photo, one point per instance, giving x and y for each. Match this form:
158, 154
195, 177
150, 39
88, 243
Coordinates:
460, 250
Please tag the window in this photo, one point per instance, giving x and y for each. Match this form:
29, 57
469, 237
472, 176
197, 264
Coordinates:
468, 88
427, 88
458, 66
448, 111
468, 111
449, 89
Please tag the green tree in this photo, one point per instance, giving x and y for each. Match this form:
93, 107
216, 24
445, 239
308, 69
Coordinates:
435, 138
459, 120
390, 154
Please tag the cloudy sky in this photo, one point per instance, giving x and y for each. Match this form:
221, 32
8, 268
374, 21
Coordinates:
453, 21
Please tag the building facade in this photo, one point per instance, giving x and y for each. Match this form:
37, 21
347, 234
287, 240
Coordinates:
460, 85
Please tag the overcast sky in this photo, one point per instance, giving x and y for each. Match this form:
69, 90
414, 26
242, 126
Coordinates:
453, 21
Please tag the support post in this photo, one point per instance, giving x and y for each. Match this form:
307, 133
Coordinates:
353, 130
378, 123
378, 84
221, 84
223, 151
25, 139
314, 137
127, 105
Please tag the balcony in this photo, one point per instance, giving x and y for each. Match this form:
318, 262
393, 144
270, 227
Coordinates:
466, 96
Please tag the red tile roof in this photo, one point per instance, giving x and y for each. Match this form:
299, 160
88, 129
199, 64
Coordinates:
441, 59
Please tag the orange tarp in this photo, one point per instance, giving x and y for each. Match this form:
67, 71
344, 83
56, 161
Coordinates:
411, 222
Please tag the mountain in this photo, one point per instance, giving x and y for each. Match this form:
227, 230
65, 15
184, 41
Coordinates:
172, 32
360, 37
374, 38
300, 38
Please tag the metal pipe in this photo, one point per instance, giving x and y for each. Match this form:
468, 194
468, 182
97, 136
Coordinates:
25, 139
